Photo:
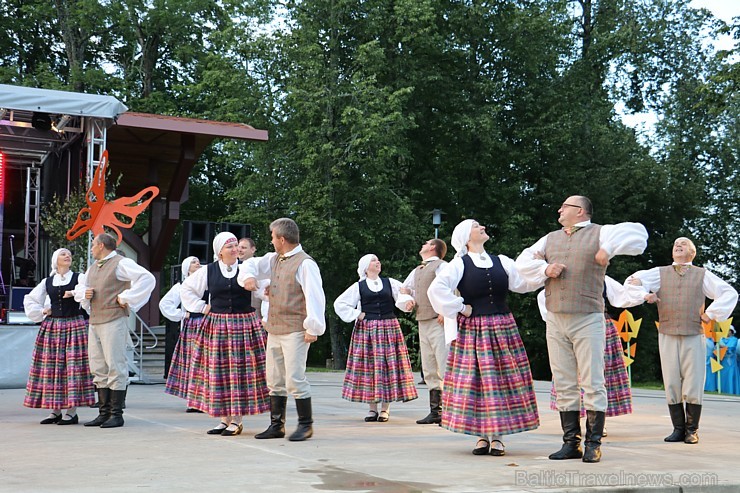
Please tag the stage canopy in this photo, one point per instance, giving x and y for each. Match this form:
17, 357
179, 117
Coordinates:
60, 102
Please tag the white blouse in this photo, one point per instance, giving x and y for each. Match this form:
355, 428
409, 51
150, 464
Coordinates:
170, 305
348, 306
37, 300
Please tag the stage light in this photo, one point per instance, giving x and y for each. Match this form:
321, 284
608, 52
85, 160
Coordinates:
2, 180
62, 122
41, 121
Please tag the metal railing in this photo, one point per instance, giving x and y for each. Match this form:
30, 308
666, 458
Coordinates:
139, 348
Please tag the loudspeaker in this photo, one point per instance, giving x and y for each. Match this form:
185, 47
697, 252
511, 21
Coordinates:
17, 293
239, 230
41, 121
197, 237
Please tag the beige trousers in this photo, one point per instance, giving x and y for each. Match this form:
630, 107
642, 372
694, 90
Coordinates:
433, 352
575, 345
285, 365
107, 344
683, 363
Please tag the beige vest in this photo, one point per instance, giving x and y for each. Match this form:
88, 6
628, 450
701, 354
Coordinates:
287, 302
423, 277
106, 287
681, 301
580, 287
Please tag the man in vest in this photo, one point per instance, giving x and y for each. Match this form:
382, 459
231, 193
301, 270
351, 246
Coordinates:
113, 285
431, 330
680, 290
571, 263
295, 320
246, 248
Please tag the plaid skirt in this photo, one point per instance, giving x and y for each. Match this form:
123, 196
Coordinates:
227, 371
178, 376
618, 392
60, 375
378, 367
488, 386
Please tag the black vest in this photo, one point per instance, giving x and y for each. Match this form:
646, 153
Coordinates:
377, 306
61, 306
226, 294
484, 289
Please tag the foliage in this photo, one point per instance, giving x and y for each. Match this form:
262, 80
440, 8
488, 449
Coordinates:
379, 112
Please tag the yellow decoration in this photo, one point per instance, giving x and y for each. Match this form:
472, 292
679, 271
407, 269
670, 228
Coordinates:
715, 365
722, 352
627, 360
632, 349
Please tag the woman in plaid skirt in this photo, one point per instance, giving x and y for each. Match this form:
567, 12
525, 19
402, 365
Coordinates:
60, 376
618, 392
171, 307
227, 372
378, 367
488, 390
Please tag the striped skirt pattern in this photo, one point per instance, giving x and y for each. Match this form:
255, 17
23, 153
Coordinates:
60, 375
618, 392
378, 367
227, 372
178, 376
488, 386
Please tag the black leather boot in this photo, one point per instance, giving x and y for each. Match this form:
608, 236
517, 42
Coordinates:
305, 421
435, 409
96, 404
277, 418
678, 418
117, 398
693, 413
594, 432
103, 408
571, 449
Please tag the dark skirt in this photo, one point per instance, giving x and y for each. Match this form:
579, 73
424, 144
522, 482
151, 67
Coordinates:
227, 373
378, 367
488, 386
60, 375
178, 378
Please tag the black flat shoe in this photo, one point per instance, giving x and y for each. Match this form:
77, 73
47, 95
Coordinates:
50, 421
372, 416
498, 452
231, 433
73, 420
482, 450
217, 430
193, 410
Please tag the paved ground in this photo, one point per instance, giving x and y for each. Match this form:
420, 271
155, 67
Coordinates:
163, 449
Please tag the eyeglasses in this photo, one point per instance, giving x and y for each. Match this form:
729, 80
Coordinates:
571, 205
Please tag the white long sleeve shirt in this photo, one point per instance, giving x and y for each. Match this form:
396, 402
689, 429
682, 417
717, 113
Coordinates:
37, 300
307, 276
410, 281
615, 239
348, 305
619, 296
142, 284
442, 290
170, 305
724, 295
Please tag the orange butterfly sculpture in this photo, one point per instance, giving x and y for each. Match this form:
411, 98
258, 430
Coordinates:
100, 214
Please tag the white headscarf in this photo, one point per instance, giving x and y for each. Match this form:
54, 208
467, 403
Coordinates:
219, 241
363, 264
186, 266
461, 236
55, 257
